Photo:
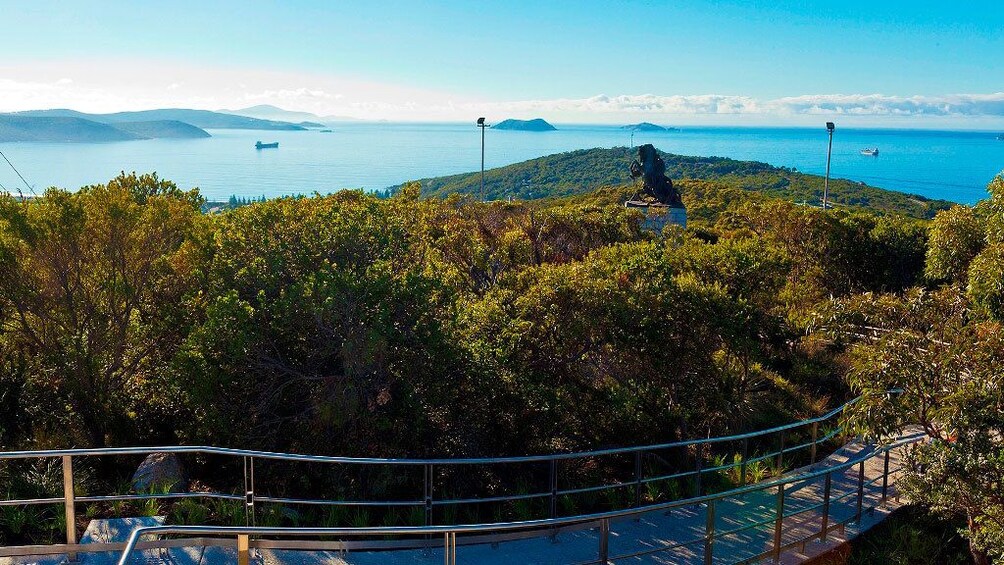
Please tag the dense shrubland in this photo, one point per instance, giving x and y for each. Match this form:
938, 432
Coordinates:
407, 326
356, 325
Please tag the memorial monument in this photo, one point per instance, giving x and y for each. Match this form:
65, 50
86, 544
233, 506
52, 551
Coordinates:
658, 198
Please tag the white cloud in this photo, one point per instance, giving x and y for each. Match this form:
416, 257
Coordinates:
291, 95
955, 105
132, 85
958, 105
641, 103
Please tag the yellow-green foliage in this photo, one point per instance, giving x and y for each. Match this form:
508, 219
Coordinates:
355, 325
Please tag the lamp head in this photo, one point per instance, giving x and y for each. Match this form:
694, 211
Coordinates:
481, 121
829, 126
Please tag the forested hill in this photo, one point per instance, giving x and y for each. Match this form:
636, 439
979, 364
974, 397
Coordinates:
17, 128
197, 118
582, 171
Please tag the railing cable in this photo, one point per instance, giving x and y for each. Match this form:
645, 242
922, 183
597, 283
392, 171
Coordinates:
19, 176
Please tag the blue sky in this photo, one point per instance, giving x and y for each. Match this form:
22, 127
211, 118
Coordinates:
877, 63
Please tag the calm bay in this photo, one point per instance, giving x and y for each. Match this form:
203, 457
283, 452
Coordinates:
953, 165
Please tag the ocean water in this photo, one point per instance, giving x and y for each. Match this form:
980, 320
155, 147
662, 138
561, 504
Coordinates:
952, 165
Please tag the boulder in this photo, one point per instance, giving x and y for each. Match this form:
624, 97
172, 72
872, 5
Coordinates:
117, 530
160, 472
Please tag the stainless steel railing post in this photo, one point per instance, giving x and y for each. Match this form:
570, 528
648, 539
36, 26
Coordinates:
428, 494
709, 534
69, 505
885, 477
780, 451
779, 523
861, 490
553, 480
698, 472
450, 548
604, 541
826, 507
637, 478
249, 510
815, 436
742, 467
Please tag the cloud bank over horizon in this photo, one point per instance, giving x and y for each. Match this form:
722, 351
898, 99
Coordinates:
129, 87
964, 107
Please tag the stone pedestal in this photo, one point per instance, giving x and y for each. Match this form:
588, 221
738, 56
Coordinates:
658, 216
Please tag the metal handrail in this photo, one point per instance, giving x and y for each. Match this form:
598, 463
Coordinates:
427, 500
598, 519
213, 450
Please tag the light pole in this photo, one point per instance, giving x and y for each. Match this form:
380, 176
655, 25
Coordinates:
829, 150
482, 125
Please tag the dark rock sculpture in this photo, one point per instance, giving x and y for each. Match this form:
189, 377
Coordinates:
652, 169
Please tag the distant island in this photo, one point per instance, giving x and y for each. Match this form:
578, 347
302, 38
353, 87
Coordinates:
72, 129
647, 126
537, 124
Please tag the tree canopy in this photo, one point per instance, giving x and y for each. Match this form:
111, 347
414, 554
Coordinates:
410, 326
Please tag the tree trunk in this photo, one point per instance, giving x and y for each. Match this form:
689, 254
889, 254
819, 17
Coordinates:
980, 557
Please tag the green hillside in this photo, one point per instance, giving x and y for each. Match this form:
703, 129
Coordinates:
163, 129
582, 171
58, 129
75, 129
198, 118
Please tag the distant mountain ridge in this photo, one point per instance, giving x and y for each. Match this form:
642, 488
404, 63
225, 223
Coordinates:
205, 119
14, 128
73, 129
163, 129
270, 112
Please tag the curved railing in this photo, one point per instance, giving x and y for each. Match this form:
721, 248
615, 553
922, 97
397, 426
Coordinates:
245, 538
687, 462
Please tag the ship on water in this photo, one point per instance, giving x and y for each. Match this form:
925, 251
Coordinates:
870, 152
260, 145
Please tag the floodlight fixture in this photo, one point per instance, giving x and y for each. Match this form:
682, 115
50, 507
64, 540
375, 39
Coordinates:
482, 125
826, 181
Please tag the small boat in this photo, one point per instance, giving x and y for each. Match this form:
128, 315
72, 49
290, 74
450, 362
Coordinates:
260, 145
1000, 137
870, 152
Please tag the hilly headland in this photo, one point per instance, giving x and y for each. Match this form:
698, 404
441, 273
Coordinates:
584, 171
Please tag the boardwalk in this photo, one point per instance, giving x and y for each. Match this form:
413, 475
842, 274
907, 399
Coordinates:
744, 527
